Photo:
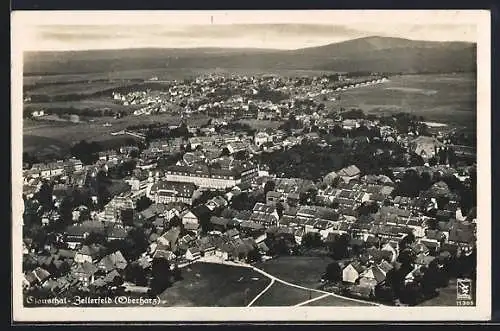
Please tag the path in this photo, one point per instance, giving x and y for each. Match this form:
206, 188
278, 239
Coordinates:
312, 300
261, 293
276, 279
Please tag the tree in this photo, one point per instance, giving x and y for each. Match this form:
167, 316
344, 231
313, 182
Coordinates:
136, 274
406, 257
95, 238
86, 152
175, 221
44, 195
279, 209
269, 186
333, 272
430, 280
143, 203
253, 256
312, 240
407, 241
137, 242
161, 276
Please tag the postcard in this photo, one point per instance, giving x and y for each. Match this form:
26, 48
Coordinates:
201, 166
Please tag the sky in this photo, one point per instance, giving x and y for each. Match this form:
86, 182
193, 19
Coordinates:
235, 29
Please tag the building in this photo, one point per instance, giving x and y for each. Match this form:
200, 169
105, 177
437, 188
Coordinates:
349, 173
261, 138
425, 146
264, 215
212, 177
168, 191
112, 211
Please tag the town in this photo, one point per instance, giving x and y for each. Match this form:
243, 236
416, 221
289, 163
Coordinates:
390, 198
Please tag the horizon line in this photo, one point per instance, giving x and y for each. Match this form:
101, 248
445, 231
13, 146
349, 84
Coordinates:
242, 48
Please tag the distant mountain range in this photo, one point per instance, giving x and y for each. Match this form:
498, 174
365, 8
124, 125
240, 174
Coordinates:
376, 54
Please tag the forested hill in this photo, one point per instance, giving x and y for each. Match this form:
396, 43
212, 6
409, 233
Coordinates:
376, 54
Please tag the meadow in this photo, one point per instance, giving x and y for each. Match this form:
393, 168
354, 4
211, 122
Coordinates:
214, 285
448, 98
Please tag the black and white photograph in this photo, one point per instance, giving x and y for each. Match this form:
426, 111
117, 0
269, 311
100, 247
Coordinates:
251, 165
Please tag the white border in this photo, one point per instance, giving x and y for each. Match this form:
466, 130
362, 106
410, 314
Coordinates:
481, 312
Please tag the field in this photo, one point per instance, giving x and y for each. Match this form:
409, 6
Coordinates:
83, 88
334, 301
214, 285
33, 143
441, 98
300, 270
284, 295
93, 131
91, 103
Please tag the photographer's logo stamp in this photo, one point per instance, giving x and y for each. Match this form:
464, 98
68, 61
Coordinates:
464, 292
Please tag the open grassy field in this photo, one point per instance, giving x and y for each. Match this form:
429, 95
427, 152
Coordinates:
214, 285
33, 143
300, 270
93, 131
280, 295
91, 103
449, 98
83, 88
329, 301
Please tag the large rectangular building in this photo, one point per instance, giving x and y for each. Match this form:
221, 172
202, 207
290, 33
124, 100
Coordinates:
212, 177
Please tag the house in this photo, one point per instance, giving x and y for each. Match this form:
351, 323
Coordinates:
393, 248
164, 254
379, 255
189, 218
193, 253
425, 146
331, 178
372, 277
219, 223
36, 277
114, 261
116, 232
425, 260
273, 197
351, 272
169, 239
85, 273
217, 202
419, 248
261, 138
264, 215
171, 191
89, 254
349, 173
